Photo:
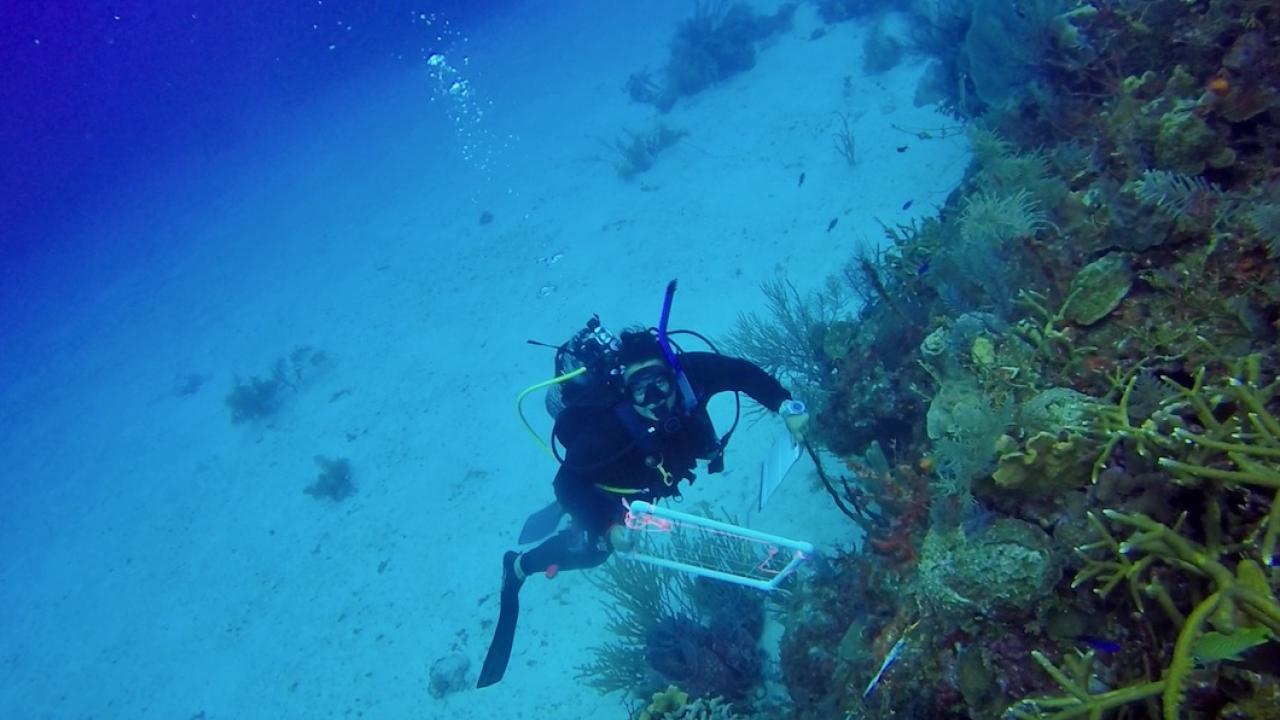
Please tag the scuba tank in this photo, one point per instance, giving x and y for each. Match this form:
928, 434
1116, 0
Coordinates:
591, 349
584, 365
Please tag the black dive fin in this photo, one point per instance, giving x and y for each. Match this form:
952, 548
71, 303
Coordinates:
541, 524
495, 661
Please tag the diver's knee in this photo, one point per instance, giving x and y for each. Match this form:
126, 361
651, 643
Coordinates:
619, 539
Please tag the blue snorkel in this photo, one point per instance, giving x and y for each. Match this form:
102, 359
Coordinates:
688, 400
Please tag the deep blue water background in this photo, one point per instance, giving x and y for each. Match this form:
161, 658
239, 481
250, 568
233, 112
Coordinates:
93, 92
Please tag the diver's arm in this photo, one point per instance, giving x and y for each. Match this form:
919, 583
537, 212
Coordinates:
714, 373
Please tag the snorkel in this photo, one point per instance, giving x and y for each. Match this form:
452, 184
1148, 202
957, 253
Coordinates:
688, 401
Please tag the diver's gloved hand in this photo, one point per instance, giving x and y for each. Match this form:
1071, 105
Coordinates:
798, 425
796, 416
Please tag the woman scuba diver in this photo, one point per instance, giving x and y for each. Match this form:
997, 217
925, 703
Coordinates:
639, 445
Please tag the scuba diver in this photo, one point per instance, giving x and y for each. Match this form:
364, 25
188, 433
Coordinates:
633, 427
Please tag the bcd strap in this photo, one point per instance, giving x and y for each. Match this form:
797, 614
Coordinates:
641, 434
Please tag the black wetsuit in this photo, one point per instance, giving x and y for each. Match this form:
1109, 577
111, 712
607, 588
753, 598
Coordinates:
613, 454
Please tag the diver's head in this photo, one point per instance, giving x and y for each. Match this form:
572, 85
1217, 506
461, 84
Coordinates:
647, 380
650, 388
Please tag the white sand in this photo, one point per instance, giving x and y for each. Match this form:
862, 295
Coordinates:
160, 562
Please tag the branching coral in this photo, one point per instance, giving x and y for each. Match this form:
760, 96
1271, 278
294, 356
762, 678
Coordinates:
1046, 330
1221, 432
1219, 437
1243, 448
1079, 700
1236, 599
1115, 567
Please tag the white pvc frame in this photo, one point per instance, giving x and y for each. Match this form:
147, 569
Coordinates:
800, 550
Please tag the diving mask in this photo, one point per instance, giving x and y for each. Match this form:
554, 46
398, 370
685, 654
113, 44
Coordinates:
650, 386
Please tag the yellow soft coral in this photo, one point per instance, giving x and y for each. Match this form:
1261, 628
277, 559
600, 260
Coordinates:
671, 700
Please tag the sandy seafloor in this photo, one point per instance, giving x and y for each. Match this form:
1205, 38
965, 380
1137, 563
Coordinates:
159, 561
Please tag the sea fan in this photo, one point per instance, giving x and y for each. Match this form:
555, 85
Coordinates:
1175, 194
1264, 220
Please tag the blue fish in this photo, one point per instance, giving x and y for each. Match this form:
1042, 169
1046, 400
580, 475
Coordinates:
1102, 645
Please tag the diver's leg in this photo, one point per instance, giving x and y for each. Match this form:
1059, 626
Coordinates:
572, 549
584, 543
504, 633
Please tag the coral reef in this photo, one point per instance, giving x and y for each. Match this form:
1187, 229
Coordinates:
448, 675
1184, 459
254, 399
1005, 569
635, 153
259, 398
334, 481
882, 49
717, 42
830, 628
1056, 401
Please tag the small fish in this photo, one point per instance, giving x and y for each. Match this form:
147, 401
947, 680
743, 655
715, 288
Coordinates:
884, 666
801, 183
831, 225
889, 659
907, 205
922, 268
903, 148
1100, 644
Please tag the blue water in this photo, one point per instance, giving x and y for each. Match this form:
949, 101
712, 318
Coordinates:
191, 192
97, 91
